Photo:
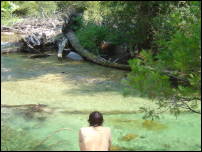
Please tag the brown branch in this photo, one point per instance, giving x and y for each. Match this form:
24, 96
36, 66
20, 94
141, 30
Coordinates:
188, 107
169, 73
188, 98
180, 102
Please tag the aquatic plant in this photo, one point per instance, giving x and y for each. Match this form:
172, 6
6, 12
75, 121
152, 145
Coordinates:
19, 139
153, 125
120, 148
129, 137
12, 139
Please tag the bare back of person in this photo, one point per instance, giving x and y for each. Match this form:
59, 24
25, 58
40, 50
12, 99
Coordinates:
95, 137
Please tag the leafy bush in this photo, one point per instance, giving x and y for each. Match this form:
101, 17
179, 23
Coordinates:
179, 55
65, 5
91, 35
7, 8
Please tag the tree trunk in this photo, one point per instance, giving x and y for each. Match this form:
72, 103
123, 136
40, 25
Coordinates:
89, 56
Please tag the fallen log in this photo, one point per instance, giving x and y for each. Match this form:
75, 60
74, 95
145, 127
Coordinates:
70, 37
37, 43
90, 56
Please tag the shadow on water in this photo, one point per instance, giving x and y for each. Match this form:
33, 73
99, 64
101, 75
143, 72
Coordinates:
24, 68
89, 77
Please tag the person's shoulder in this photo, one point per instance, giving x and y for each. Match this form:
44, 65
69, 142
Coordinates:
107, 128
84, 128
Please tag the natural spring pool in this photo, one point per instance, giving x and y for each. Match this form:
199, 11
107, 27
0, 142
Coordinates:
71, 90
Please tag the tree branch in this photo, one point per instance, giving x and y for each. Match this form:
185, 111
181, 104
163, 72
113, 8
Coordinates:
188, 107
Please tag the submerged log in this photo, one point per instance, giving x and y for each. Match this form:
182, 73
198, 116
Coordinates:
25, 105
39, 56
30, 108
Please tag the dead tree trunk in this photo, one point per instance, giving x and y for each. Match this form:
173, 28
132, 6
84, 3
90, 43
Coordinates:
89, 56
69, 36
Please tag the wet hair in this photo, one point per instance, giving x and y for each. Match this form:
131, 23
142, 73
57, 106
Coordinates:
95, 119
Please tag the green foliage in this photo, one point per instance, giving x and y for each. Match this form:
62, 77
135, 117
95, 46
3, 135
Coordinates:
7, 9
91, 35
179, 53
7, 6
35, 8
65, 5
182, 52
110, 15
149, 83
132, 20
78, 23
167, 33
14, 11
93, 12
149, 113
171, 29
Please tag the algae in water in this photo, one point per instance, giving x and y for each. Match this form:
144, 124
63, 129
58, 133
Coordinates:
129, 137
153, 125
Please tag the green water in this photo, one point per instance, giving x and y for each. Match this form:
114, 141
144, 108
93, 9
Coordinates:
72, 90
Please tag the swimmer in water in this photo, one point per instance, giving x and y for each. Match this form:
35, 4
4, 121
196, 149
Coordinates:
95, 137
